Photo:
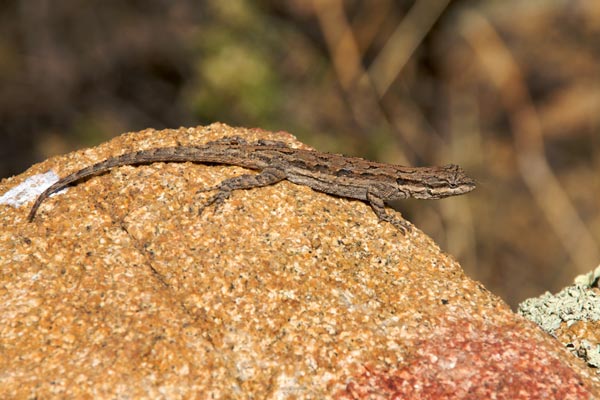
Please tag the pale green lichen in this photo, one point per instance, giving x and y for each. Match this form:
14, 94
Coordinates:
587, 351
588, 279
572, 304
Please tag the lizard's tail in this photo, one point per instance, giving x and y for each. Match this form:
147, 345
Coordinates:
139, 157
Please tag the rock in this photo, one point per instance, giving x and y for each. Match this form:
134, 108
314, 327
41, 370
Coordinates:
119, 288
572, 316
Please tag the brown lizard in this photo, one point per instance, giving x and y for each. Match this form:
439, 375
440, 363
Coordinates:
335, 174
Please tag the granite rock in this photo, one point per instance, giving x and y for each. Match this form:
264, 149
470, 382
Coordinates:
120, 289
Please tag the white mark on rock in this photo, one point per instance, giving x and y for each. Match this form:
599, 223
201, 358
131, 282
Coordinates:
30, 189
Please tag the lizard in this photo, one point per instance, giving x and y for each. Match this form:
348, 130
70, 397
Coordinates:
334, 174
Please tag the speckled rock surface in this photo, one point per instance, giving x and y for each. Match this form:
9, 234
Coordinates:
120, 289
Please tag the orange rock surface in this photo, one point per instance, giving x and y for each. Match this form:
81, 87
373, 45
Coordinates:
120, 289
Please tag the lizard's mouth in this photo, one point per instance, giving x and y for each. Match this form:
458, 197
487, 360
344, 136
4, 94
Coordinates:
447, 190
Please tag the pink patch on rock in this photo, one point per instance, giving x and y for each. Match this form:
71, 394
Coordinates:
464, 362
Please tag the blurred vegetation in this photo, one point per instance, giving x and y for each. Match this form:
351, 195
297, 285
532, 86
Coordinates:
508, 89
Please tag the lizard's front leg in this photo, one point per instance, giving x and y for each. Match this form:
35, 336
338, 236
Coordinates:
266, 177
375, 199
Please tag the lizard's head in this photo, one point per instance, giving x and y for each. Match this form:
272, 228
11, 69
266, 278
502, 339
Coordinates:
440, 182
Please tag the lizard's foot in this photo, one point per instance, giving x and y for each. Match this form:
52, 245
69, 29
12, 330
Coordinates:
208, 189
402, 225
216, 201
378, 206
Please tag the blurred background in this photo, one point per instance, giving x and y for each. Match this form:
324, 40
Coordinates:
508, 89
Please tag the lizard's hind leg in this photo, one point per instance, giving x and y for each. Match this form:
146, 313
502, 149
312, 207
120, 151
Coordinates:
266, 177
